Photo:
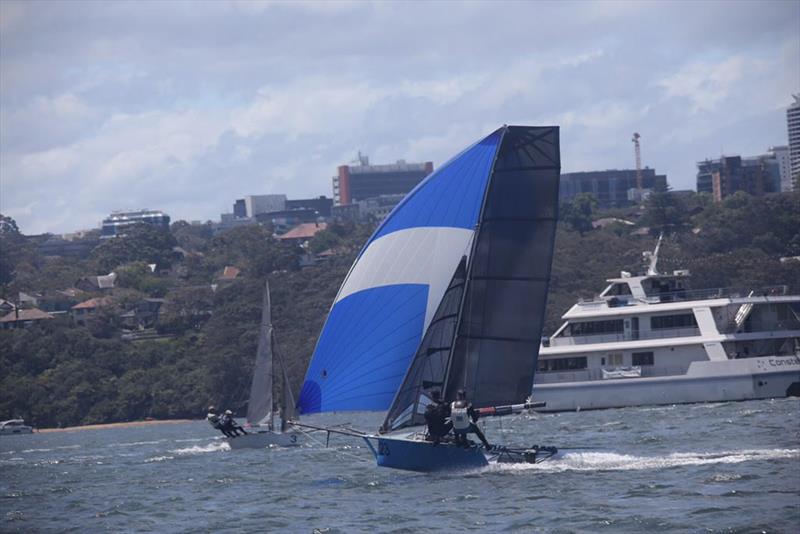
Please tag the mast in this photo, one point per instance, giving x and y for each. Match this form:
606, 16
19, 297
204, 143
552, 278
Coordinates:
652, 270
448, 392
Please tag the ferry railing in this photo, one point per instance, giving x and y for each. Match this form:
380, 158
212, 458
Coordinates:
612, 338
687, 295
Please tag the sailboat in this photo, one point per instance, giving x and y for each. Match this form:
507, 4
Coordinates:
260, 415
448, 294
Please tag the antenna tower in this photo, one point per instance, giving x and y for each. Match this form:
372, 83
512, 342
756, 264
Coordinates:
638, 150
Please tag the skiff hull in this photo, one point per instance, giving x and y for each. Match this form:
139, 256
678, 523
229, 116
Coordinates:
261, 440
424, 456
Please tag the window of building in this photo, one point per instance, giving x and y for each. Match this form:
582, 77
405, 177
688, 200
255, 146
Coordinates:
643, 358
562, 364
685, 320
593, 328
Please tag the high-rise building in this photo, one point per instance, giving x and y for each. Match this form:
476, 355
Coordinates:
781, 155
255, 204
793, 125
610, 188
114, 225
363, 181
240, 209
321, 205
725, 176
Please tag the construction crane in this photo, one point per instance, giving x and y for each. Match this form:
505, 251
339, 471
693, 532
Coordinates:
638, 151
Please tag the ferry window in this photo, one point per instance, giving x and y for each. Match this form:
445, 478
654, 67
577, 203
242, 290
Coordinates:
591, 328
685, 320
643, 358
563, 364
620, 289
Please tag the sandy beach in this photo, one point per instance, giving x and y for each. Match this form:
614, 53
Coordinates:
115, 425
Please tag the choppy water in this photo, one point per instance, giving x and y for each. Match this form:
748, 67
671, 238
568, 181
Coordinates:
713, 467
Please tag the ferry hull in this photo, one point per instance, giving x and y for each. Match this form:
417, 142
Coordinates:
708, 381
423, 456
261, 440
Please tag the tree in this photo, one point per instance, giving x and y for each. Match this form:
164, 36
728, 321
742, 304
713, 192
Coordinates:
578, 213
142, 242
324, 240
192, 237
253, 249
665, 213
14, 250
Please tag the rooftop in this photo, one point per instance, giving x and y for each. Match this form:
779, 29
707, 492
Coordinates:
229, 273
92, 303
32, 314
303, 231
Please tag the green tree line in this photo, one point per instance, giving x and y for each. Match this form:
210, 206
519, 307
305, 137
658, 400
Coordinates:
57, 374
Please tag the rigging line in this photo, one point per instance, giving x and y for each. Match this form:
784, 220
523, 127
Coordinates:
336, 451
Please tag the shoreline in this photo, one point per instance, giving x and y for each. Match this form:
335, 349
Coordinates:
113, 425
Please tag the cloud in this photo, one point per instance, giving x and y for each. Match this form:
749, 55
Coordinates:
187, 106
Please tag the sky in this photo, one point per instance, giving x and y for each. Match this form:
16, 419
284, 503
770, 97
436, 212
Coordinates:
187, 106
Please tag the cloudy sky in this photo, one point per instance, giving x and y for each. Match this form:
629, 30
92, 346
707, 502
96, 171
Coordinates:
185, 106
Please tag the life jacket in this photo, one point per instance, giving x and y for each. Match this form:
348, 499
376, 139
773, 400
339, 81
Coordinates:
459, 415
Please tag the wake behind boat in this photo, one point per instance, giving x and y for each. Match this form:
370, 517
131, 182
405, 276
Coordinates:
260, 414
447, 295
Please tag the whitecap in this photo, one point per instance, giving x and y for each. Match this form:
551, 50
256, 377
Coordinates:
611, 461
201, 449
158, 459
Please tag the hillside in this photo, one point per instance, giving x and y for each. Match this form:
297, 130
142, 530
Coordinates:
59, 373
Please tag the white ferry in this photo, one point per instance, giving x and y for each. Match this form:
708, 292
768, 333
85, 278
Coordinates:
651, 340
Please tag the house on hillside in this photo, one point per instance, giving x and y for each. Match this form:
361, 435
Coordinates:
23, 318
229, 274
144, 314
6, 307
56, 302
95, 283
300, 234
82, 312
28, 300
331, 252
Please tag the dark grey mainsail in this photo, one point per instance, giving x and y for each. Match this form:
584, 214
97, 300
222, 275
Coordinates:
501, 305
259, 407
427, 371
500, 324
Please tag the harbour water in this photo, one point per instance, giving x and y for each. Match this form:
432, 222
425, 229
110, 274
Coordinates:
727, 467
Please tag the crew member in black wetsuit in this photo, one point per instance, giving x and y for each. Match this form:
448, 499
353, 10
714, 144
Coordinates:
463, 417
436, 414
229, 425
215, 420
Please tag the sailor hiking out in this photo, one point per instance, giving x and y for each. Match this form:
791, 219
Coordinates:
229, 425
224, 423
436, 414
213, 419
463, 418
